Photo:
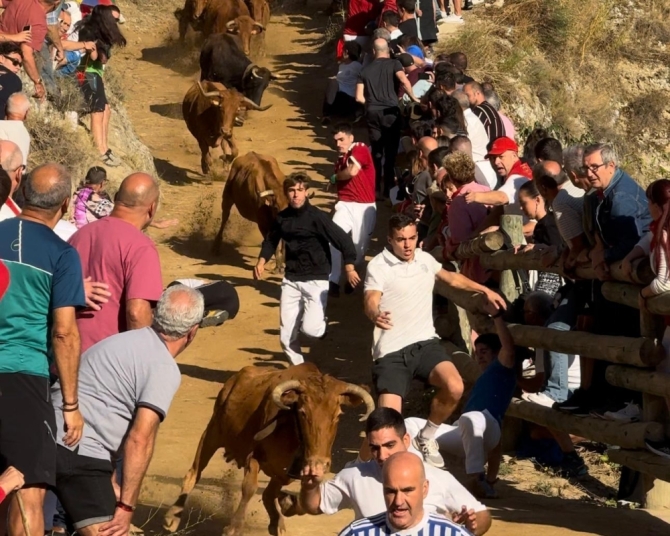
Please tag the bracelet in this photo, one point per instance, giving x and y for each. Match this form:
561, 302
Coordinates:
75, 403
498, 314
69, 410
125, 507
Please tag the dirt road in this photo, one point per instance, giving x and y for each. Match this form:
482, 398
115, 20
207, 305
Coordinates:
155, 76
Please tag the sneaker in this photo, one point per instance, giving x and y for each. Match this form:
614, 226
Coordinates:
453, 19
110, 159
214, 318
579, 403
572, 466
468, 5
660, 448
429, 450
538, 398
630, 413
333, 290
441, 16
482, 489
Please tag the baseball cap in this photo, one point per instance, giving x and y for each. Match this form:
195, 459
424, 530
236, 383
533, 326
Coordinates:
405, 59
500, 145
414, 50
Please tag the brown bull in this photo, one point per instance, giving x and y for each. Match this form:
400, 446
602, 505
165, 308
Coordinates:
254, 186
190, 14
265, 420
209, 109
233, 17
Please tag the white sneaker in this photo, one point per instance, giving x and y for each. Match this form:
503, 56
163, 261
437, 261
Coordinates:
453, 19
442, 17
538, 398
630, 413
429, 450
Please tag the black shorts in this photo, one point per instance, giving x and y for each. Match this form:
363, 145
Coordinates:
84, 487
28, 428
394, 372
93, 89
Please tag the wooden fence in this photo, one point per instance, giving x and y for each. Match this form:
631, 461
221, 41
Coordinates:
633, 358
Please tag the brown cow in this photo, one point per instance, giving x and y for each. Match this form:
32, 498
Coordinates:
266, 420
190, 14
209, 109
233, 17
254, 186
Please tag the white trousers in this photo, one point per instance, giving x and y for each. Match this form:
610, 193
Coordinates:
475, 434
302, 306
359, 220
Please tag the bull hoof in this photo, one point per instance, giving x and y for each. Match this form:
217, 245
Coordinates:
172, 519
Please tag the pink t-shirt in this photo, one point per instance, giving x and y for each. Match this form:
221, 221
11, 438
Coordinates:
117, 253
21, 13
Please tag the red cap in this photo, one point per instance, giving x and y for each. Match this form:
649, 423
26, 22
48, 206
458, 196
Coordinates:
500, 145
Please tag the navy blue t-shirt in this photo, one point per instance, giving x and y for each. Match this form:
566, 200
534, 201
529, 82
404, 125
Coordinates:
493, 391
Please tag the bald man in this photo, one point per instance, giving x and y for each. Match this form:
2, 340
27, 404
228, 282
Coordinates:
41, 286
421, 187
11, 160
114, 250
376, 89
12, 128
405, 488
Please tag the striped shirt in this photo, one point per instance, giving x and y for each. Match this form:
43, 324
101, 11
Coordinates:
492, 122
430, 525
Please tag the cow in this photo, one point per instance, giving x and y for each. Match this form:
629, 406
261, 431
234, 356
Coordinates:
221, 60
254, 186
209, 109
260, 10
271, 421
190, 14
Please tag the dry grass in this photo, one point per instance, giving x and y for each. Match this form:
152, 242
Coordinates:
584, 69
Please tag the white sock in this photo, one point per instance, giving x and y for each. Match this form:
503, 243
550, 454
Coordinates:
428, 431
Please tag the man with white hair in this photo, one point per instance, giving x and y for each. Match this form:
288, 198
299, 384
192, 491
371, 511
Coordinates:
126, 385
11, 160
12, 127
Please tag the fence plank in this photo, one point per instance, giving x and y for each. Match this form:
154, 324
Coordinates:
644, 381
643, 461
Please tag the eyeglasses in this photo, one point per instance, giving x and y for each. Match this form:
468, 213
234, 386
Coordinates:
593, 169
15, 62
64, 23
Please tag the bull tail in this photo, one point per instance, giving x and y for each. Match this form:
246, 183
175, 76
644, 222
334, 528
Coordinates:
227, 203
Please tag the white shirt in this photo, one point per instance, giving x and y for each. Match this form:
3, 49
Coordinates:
430, 525
511, 189
347, 77
17, 132
485, 174
359, 487
407, 293
9, 210
65, 229
574, 370
568, 210
477, 134
395, 34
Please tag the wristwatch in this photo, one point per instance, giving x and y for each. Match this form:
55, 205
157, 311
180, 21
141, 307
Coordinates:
40, 82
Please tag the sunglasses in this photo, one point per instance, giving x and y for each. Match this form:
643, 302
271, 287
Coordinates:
15, 63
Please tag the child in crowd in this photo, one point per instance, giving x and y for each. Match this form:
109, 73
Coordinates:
90, 202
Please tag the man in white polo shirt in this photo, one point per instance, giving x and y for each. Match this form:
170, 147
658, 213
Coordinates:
399, 301
359, 485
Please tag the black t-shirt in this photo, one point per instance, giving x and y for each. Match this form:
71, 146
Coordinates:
409, 27
9, 84
546, 231
379, 79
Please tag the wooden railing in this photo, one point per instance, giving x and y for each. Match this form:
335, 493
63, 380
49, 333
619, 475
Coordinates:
633, 358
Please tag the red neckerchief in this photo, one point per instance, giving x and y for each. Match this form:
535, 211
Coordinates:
13, 206
521, 168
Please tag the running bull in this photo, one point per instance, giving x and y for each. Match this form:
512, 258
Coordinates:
267, 421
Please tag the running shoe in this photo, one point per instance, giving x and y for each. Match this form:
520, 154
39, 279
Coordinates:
538, 398
660, 448
214, 318
630, 413
572, 466
429, 450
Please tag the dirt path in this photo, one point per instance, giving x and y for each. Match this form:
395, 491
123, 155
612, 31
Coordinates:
156, 76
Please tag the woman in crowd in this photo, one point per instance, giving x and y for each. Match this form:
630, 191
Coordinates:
101, 28
340, 97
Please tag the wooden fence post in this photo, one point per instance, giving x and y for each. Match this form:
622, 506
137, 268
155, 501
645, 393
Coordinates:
512, 227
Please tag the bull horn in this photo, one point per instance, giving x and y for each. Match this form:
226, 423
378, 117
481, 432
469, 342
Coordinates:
265, 432
208, 94
251, 104
260, 26
359, 391
274, 76
231, 23
278, 391
266, 193
254, 72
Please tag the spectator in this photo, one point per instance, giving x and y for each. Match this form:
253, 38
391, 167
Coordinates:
307, 233
460, 61
477, 433
529, 147
405, 345
12, 128
69, 35
101, 28
359, 14
11, 480
488, 115
340, 99
573, 164
464, 145
390, 21
465, 218
453, 18
409, 25
42, 289
90, 202
549, 149
126, 386
11, 161
405, 488
545, 233
376, 89
493, 99
359, 486
438, 198
426, 20
20, 14
504, 157
114, 250
355, 210
420, 188
417, 76
11, 61
221, 300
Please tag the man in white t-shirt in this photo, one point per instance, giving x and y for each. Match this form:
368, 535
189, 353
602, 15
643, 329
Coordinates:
399, 301
13, 128
359, 485
11, 160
